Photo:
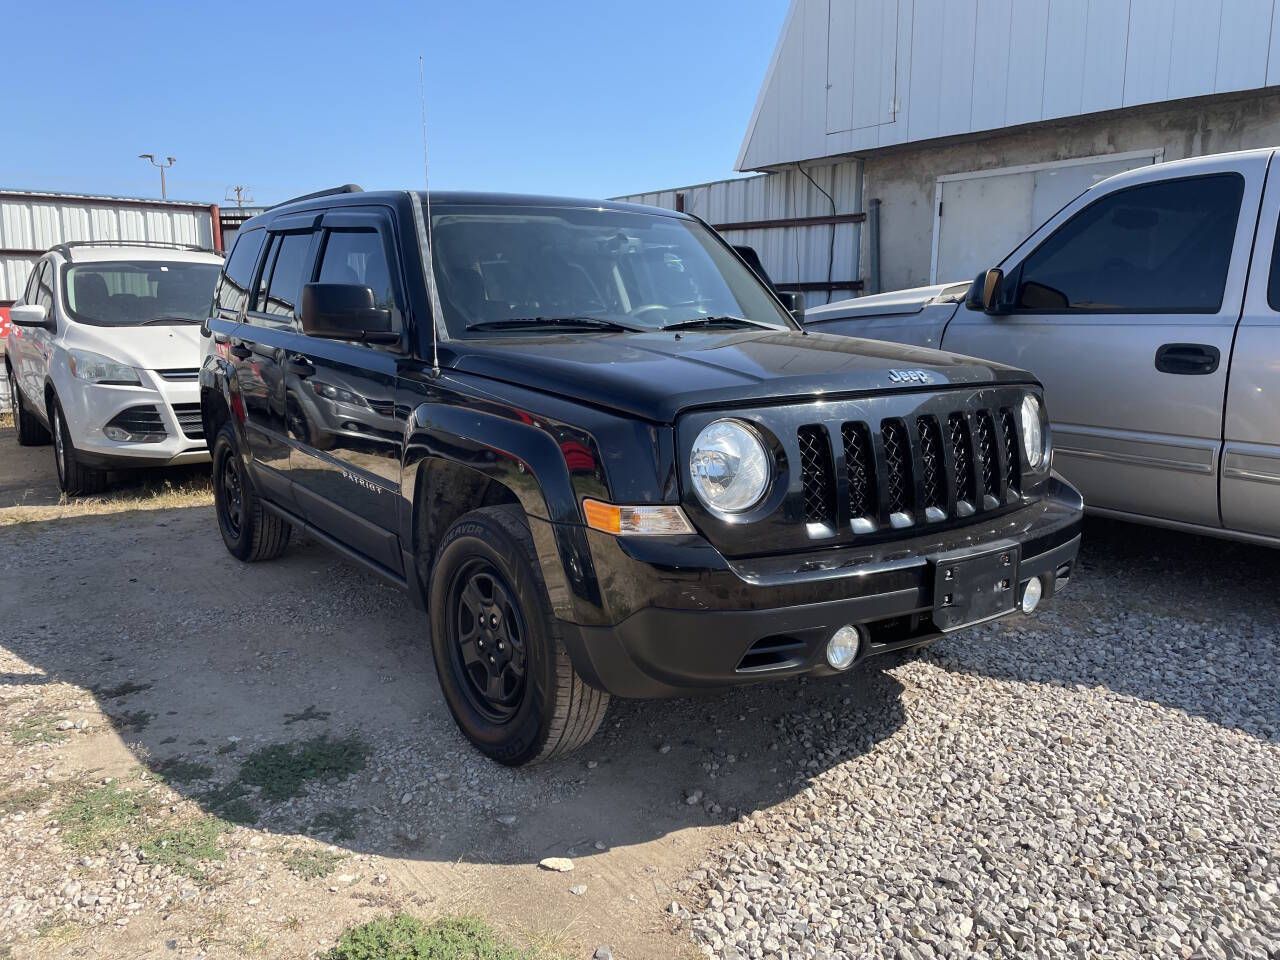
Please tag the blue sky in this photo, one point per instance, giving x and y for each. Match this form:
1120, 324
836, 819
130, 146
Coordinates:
585, 98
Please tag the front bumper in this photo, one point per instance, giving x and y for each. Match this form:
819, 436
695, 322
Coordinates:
89, 407
689, 628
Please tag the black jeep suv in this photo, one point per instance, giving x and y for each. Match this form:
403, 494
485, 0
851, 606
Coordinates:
597, 447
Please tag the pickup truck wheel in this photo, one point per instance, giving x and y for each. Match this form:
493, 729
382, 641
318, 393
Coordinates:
249, 530
74, 478
502, 665
31, 432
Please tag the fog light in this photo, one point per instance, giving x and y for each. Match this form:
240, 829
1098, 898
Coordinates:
842, 648
1031, 594
115, 433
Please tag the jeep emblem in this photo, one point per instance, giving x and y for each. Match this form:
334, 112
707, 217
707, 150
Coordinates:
909, 376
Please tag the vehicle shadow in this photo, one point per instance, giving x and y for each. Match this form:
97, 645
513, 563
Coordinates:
1185, 621
206, 666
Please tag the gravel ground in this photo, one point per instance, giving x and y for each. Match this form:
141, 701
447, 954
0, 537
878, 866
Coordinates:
1100, 781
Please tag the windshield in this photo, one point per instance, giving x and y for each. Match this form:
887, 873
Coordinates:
132, 293
499, 265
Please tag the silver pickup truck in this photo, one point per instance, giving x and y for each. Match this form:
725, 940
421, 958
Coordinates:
1149, 307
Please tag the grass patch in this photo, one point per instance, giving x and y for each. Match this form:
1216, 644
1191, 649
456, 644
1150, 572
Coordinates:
312, 864
123, 690
107, 816
185, 848
339, 823
23, 799
404, 937
191, 489
226, 748
102, 817
182, 770
36, 730
283, 769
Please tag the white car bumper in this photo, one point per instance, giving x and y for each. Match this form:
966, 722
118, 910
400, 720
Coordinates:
162, 417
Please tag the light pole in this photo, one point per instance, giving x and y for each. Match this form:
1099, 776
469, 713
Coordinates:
162, 166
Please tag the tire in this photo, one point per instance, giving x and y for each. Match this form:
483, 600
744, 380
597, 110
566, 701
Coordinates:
31, 432
74, 478
534, 706
250, 531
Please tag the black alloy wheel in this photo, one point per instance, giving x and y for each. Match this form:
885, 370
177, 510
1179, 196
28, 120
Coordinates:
488, 641
231, 503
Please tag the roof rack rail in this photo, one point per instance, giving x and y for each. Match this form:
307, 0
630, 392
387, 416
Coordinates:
345, 188
65, 248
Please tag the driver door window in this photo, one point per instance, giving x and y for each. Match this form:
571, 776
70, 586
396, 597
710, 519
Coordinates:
1159, 247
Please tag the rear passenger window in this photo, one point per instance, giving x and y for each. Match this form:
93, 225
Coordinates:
1155, 248
1273, 282
234, 284
285, 293
358, 256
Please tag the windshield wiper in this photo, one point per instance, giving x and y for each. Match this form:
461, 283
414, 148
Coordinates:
722, 321
168, 319
516, 323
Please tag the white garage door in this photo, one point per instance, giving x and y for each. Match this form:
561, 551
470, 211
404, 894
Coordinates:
981, 216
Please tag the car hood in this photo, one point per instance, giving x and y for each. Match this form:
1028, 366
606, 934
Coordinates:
656, 376
884, 304
159, 347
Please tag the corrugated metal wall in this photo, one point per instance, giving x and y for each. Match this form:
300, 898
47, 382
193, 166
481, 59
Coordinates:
31, 223
803, 254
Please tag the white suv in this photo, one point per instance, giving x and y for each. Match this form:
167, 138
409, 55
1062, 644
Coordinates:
104, 351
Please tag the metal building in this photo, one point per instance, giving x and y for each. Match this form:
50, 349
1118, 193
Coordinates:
967, 122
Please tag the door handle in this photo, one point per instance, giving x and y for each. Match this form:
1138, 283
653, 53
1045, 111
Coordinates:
1188, 359
299, 367
240, 351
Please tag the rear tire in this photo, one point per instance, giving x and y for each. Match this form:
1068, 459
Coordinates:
74, 478
31, 432
508, 681
250, 531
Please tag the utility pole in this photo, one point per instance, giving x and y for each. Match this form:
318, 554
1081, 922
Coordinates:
162, 166
242, 195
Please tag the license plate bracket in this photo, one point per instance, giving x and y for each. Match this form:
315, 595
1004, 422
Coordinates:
974, 585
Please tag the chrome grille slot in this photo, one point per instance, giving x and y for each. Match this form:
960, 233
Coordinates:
189, 420
962, 463
1012, 457
860, 469
817, 475
932, 476
180, 374
898, 479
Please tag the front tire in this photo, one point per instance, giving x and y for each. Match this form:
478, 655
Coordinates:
31, 432
250, 531
74, 478
503, 668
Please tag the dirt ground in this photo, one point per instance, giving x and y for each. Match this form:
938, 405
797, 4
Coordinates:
138, 626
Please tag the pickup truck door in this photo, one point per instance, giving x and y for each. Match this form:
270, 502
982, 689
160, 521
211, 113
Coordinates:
1124, 305
1251, 429
345, 430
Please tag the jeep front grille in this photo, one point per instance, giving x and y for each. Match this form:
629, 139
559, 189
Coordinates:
923, 470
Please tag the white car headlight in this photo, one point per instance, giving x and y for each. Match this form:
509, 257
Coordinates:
96, 368
1035, 433
729, 466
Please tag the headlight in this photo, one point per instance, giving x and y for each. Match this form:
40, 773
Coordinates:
330, 392
1035, 433
729, 466
96, 368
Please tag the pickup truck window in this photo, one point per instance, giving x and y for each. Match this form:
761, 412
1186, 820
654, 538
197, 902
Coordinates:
1273, 282
1160, 247
524, 268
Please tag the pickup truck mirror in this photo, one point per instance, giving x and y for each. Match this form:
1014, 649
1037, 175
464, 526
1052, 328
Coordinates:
793, 300
984, 292
32, 315
345, 311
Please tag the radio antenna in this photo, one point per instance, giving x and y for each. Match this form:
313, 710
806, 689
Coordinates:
425, 233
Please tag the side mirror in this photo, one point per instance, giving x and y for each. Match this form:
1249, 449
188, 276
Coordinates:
793, 300
345, 311
33, 315
984, 292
